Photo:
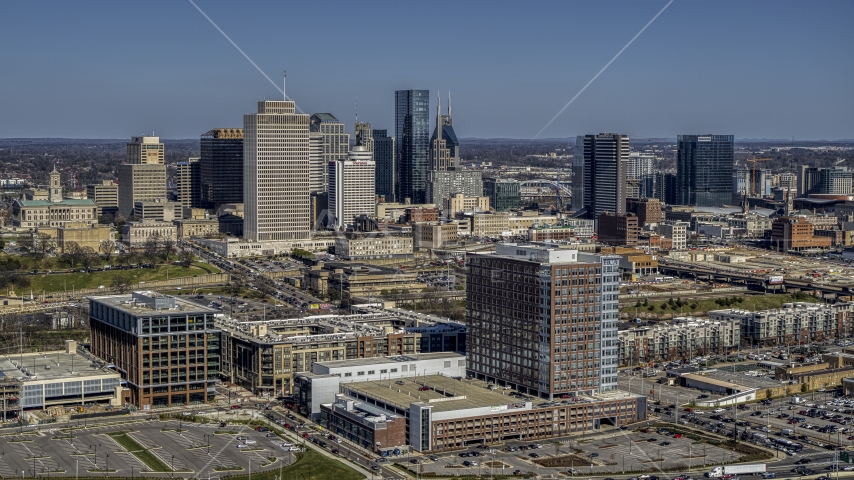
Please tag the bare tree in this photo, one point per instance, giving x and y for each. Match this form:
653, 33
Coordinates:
88, 256
72, 253
106, 247
41, 244
239, 281
265, 286
151, 247
168, 247
120, 283
186, 257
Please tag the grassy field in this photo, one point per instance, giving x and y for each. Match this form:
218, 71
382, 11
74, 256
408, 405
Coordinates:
310, 466
703, 306
67, 281
138, 451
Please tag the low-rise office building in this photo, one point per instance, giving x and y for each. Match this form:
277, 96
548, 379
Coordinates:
56, 378
135, 234
457, 203
197, 228
618, 229
357, 280
365, 246
433, 235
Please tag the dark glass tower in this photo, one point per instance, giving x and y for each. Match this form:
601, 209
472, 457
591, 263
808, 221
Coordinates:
222, 167
386, 171
704, 165
412, 134
604, 172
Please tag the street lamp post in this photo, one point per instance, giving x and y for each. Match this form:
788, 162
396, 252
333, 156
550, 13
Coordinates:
172, 468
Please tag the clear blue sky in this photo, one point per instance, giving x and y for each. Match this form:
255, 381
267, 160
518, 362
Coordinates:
756, 69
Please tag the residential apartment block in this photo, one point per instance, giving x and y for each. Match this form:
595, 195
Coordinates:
793, 324
685, 337
543, 319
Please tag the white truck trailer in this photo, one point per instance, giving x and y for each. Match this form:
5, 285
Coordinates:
726, 470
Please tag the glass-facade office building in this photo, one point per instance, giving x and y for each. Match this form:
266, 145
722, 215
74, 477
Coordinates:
386, 173
704, 170
412, 134
221, 167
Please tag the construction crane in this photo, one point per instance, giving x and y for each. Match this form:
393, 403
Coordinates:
753, 172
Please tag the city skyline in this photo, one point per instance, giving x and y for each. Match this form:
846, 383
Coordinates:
759, 70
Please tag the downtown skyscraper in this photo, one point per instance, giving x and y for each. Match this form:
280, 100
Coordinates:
334, 145
276, 173
600, 161
412, 134
221, 167
704, 170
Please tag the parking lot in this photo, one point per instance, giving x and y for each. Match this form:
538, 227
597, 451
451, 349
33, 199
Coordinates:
186, 449
614, 453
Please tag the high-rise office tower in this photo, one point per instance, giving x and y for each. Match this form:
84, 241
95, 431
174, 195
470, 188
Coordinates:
604, 170
335, 142
639, 165
317, 167
145, 150
276, 173
665, 187
387, 175
319, 198
579, 200
446, 175
363, 135
189, 183
351, 187
221, 167
704, 170
543, 319
444, 149
143, 177
412, 136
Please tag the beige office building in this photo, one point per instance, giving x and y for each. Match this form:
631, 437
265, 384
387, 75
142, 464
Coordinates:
276, 173
458, 202
105, 195
135, 234
140, 183
145, 150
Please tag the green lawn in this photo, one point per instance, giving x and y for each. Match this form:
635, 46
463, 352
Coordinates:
149, 459
310, 466
703, 306
67, 281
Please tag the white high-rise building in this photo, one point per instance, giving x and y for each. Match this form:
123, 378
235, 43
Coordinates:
334, 143
639, 165
276, 173
351, 187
